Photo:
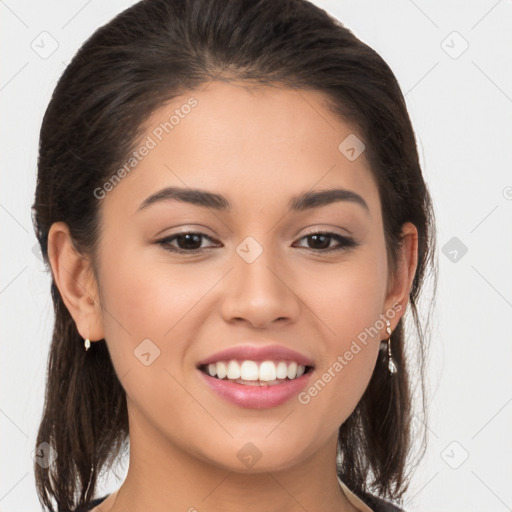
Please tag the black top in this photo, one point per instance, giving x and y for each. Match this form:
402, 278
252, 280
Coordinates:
92, 504
375, 503
378, 504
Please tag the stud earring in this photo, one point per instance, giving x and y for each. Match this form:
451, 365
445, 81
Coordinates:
391, 363
87, 344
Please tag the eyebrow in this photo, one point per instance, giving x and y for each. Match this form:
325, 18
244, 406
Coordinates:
304, 201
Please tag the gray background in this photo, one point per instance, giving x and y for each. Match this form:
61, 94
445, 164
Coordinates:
460, 102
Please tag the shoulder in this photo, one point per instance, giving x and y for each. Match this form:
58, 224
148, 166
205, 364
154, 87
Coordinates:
378, 504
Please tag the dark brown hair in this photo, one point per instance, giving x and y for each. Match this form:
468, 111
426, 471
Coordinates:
147, 55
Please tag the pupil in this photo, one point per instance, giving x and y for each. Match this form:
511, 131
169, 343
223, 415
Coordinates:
190, 237
317, 237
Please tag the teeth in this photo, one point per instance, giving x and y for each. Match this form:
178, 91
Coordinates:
233, 370
282, 370
266, 371
292, 370
221, 371
249, 370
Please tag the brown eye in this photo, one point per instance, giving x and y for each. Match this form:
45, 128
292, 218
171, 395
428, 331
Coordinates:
321, 242
189, 242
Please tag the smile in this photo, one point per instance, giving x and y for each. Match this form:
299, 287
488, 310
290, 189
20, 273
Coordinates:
252, 373
256, 376
253, 385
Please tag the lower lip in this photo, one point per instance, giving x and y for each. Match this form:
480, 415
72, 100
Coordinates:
257, 397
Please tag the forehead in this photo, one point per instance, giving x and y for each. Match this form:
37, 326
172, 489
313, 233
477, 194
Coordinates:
247, 142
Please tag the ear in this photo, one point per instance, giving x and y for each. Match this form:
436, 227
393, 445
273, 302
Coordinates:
400, 281
74, 277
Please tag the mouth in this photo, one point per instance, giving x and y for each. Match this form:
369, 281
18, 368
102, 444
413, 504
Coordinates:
256, 377
255, 373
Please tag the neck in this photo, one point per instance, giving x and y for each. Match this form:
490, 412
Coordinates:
162, 478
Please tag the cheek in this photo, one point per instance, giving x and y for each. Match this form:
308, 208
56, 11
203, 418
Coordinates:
146, 299
348, 297
348, 304
142, 311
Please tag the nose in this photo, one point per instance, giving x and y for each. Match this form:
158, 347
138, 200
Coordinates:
260, 292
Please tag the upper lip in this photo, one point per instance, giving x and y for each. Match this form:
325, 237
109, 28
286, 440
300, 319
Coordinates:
258, 353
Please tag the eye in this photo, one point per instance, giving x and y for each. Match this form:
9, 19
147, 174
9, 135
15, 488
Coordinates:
321, 241
190, 242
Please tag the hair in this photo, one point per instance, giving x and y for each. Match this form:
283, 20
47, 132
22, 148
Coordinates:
144, 57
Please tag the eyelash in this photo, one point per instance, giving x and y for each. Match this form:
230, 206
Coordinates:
344, 242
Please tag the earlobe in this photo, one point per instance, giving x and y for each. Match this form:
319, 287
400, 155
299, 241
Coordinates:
73, 276
398, 294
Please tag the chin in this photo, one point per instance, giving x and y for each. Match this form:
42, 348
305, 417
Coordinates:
258, 455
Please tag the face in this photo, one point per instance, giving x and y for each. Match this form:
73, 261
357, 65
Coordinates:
253, 276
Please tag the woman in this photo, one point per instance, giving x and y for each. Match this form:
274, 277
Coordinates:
231, 204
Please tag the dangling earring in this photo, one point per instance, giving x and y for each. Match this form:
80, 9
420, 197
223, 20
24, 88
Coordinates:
391, 363
87, 344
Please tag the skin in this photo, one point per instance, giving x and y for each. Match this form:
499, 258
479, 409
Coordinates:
259, 147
